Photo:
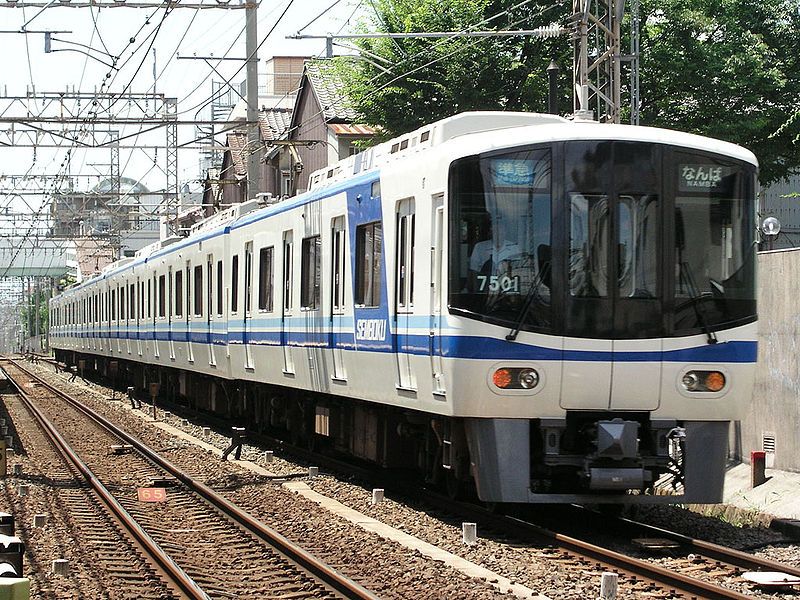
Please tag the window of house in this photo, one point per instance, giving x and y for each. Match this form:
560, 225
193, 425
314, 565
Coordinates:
369, 241
310, 272
265, 278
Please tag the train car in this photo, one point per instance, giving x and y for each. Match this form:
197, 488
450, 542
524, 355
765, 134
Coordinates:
542, 309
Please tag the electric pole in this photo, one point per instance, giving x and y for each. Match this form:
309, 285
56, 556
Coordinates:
253, 138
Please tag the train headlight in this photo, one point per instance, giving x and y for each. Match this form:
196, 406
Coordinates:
515, 378
528, 378
691, 381
703, 381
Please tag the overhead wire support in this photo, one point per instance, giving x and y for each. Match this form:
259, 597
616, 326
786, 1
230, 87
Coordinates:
123, 4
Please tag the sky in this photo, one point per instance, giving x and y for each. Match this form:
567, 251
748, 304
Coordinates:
131, 34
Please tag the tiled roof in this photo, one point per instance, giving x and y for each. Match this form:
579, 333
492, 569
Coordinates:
236, 143
329, 90
346, 129
274, 123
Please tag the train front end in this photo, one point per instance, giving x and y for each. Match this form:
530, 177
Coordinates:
602, 313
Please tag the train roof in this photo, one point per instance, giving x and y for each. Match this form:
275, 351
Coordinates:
463, 134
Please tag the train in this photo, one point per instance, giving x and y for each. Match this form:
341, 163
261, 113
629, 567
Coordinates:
525, 307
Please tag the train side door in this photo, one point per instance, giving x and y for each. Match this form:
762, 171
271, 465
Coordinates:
404, 294
435, 329
287, 273
212, 359
338, 287
247, 332
189, 347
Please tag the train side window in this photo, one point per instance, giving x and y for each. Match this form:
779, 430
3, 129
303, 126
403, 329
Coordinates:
122, 303
162, 296
113, 305
369, 242
220, 287
179, 293
149, 302
265, 277
405, 255
198, 291
210, 284
169, 294
287, 270
132, 301
338, 264
188, 290
248, 277
310, 272
235, 283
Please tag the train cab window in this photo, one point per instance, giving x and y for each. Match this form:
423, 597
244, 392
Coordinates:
713, 242
198, 291
265, 278
162, 296
310, 272
179, 293
235, 283
500, 238
589, 240
369, 244
220, 288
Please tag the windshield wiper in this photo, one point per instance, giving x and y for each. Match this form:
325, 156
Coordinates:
694, 296
533, 294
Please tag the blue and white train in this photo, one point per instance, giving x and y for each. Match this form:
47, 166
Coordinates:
549, 310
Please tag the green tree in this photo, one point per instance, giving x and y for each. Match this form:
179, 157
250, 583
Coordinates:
723, 68
729, 69
401, 84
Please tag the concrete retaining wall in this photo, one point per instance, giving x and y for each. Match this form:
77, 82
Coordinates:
775, 408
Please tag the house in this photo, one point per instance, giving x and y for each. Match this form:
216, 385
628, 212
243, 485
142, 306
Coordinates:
323, 129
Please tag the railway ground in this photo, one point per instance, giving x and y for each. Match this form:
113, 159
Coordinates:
506, 567
775, 502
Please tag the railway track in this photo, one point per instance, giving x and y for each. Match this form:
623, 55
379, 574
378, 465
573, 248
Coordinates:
701, 575
203, 546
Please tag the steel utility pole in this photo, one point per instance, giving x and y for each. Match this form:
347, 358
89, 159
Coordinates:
253, 138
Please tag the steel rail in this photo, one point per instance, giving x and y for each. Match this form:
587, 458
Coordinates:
714, 551
156, 554
344, 585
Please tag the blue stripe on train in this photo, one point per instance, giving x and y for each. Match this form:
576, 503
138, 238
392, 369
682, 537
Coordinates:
468, 347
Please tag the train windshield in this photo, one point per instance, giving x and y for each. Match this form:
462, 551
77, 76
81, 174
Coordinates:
501, 238
639, 240
714, 230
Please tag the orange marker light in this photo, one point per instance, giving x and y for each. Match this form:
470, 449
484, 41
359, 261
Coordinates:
502, 378
715, 381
